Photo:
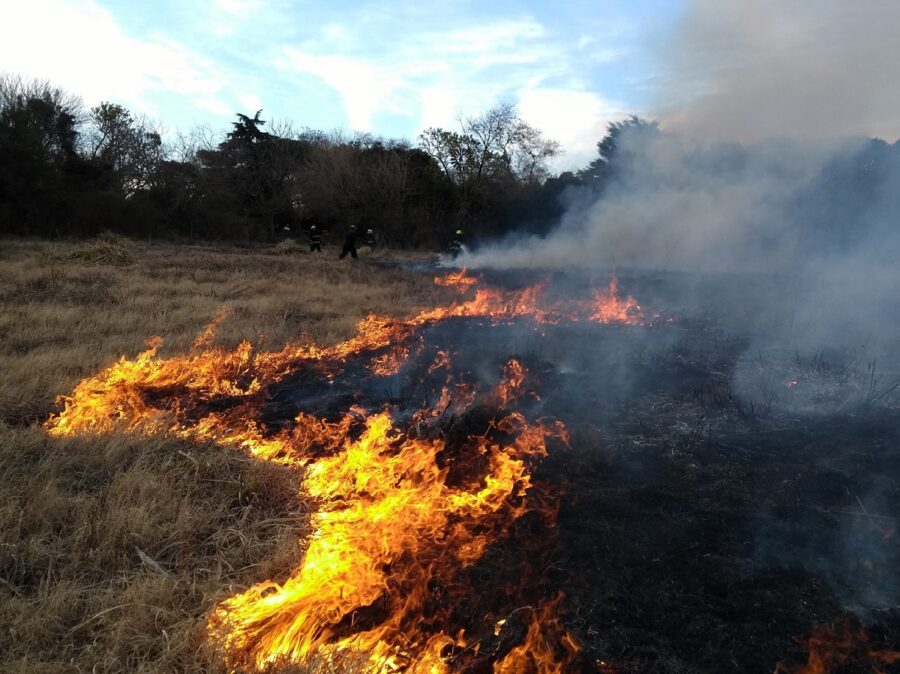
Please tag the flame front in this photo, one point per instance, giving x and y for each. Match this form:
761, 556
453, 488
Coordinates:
830, 647
547, 648
389, 531
400, 516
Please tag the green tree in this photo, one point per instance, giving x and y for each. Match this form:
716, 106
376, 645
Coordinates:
619, 150
39, 162
129, 146
491, 154
255, 172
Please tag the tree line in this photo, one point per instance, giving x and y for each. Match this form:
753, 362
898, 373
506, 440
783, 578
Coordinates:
67, 171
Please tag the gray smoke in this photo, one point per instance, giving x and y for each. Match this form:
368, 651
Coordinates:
808, 69
763, 163
763, 199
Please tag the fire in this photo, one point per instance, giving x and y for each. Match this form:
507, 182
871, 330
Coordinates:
499, 305
831, 647
511, 388
401, 514
459, 280
608, 308
389, 363
390, 526
548, 647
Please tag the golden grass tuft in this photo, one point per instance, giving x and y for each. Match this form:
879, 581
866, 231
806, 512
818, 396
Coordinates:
288, 247
107, 248
113, 549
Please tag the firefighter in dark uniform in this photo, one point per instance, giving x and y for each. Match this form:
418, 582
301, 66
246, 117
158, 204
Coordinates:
456, 246
370, 238
315, 239
349, 244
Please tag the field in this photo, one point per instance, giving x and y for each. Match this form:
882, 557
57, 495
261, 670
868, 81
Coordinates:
716, 502
112, 549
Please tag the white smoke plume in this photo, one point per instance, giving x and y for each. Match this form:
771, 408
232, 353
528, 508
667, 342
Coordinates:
759, 165
809, 69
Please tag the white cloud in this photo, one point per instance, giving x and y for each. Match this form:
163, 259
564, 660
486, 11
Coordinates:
437, 74
377, 65
364, 87
83, 49
237, 7
489, 41
439, 105
214, 106
577, 119
250, 103
227, 16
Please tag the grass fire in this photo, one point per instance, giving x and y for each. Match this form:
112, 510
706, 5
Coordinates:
485, 338
511, 476
403, 511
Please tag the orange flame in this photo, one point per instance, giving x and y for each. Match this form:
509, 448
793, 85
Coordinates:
830, 647
389, 526
459, 280
548, 648
608, 308
394, 521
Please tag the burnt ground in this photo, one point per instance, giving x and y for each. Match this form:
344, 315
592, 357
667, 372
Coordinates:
719, 499
708, 551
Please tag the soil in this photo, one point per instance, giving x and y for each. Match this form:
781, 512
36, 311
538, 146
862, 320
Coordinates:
714, 509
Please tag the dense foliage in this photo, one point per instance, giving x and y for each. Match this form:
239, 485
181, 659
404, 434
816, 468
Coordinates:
67, 172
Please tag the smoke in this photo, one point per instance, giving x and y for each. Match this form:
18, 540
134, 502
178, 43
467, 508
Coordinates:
675, 206
760, 164
764, 184
807, 69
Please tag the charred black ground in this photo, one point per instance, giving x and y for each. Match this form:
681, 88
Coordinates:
714, 506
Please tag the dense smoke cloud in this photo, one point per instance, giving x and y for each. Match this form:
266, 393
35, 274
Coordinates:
763, 201
759, 165
804, 69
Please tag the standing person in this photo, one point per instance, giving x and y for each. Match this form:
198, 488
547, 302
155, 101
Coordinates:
349, 244
370, 238
456, 246
315, 239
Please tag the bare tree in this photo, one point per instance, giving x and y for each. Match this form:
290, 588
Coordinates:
131, 146
490, 146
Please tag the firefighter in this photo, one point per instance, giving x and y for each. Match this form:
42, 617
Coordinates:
456, 246
349, 244
370, 238
315, 239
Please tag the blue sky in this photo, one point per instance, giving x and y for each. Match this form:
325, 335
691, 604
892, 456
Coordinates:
390, 68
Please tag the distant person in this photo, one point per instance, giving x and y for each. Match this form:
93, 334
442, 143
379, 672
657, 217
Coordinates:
456, 246
315, 239
370, 238
349, 244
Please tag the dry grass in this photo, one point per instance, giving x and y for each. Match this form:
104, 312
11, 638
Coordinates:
113, 549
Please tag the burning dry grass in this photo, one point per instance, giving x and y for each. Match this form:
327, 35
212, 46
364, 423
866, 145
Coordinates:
63, 319
112, 549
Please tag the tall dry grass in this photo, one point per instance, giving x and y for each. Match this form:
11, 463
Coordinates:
112, 549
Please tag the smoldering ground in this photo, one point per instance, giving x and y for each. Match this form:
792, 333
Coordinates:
762, 163
765, 206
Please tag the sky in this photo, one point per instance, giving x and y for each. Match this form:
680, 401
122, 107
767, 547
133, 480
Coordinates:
723, 69
389, 68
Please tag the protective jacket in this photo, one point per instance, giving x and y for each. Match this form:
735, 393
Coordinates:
315, 239
349, 245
